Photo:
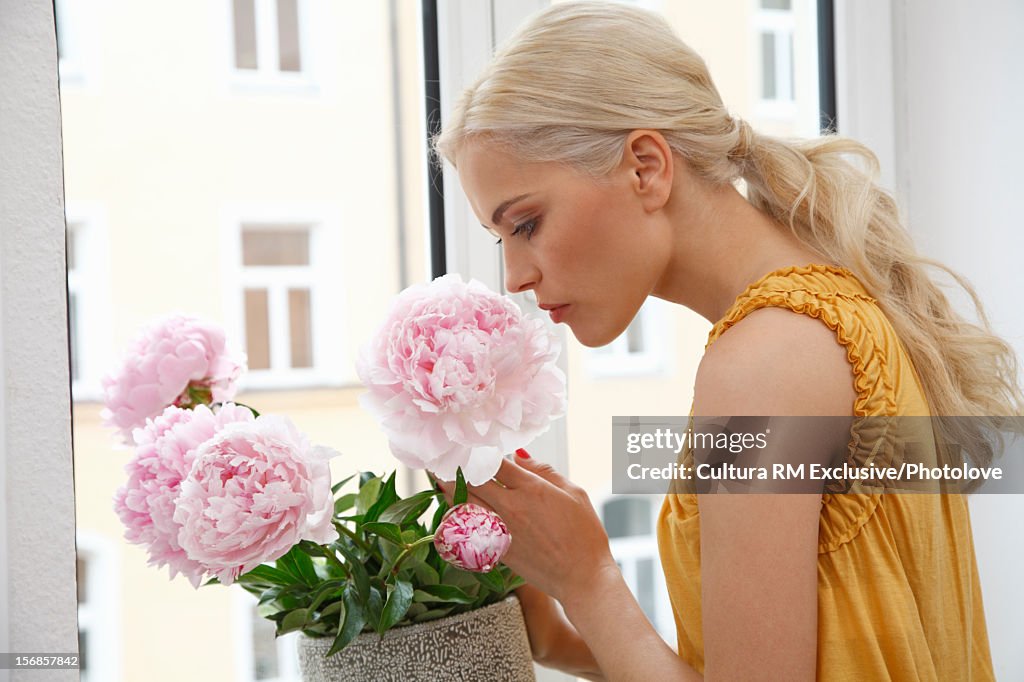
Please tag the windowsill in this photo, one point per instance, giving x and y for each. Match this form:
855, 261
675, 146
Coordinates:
252, 82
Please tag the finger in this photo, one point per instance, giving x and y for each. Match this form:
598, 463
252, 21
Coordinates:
525, 463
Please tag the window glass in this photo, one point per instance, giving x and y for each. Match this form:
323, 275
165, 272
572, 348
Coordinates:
222, 182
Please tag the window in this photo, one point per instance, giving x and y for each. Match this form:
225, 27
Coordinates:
268, 39
774, 25
98, 655
76, 40
284, 263
639, 350
88, 299
630, 521
262, 657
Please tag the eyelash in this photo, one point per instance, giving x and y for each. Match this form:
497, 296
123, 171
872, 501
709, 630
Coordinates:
529, 227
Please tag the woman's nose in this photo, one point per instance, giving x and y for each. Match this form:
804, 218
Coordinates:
520, 274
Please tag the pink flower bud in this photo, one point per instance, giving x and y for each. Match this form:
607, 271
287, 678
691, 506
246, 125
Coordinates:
472, 538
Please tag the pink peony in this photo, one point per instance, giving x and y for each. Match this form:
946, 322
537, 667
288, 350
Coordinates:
163, 457
472, 538
458, 377
177, 360
254, 491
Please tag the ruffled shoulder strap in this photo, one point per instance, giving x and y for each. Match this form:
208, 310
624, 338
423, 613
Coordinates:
835, 296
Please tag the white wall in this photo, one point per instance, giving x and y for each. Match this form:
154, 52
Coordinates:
935, 87
37, 514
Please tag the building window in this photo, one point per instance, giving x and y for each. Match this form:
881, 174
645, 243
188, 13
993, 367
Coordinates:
268, 37
98, 655
630, 521
774, 23
76, 36
286, 303
641, 349
278, 282
88, 299
263, 657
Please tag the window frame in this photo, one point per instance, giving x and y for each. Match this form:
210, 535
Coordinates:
614, 361
101, 621
270, 79
782, 24
81, 70
94, 299
326, 285
243, 614
636, 547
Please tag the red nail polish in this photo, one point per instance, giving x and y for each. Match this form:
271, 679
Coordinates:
523, 453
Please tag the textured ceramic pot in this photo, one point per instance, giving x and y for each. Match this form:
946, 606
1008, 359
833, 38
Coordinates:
488, 644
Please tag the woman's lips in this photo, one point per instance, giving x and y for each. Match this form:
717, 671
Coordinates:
558, 313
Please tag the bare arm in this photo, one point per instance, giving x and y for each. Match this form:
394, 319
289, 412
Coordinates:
553, 639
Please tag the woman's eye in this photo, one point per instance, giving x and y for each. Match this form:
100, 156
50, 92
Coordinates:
526, 228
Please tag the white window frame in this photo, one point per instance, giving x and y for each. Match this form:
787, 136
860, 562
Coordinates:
267, 78
324, 277
468, 32
100, 615
90, 281
615, 361
243, 613
628, 551
782, 24
77, 24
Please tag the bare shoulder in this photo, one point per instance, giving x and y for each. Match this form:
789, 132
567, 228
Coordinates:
775, 362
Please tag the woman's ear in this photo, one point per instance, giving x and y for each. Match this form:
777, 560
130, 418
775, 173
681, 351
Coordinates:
649, 161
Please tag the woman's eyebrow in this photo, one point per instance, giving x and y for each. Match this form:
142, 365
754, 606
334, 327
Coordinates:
498, 212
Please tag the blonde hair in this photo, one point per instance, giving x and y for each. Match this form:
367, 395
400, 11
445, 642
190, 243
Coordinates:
577, 77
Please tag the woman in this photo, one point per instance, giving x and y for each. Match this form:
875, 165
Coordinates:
597, 149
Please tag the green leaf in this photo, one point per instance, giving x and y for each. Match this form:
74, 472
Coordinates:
352, 624
332, 608
293, 620
432, 614
442, 507
442, 593
398, 602
345, 502
298, 563
420, 553
388, 531
375, 606
211, 581
337, 486
388, 496
365, 476
425, 574
368, 493
461, 494
516, 582
409, 509
266, 575
493, 580
359, 573
329, 590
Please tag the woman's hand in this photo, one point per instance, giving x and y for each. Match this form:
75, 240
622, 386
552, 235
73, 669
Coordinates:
558, 542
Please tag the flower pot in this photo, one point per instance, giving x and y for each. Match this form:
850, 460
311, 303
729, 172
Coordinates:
484, 644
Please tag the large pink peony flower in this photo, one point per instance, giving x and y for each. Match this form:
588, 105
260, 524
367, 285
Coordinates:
163, 457
458, 377
472, 538
254, 491
177, 360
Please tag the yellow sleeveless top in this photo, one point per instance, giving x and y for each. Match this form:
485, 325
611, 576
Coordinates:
898, 590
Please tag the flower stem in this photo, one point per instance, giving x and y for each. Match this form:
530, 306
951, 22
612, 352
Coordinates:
355, 538
409, 549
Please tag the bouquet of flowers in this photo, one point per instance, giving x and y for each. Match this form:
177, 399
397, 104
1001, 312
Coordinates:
220, 493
